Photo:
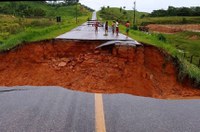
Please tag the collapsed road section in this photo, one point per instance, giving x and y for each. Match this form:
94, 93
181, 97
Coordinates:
86, 66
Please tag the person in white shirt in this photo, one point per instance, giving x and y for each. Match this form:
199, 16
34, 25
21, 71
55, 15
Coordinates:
117, 27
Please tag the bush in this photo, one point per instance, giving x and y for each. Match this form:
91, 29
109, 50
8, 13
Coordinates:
1, 42
5, 35
38, 12
146, 23
135, 27
184, 21
42, 23
142, 16
161, 37
12, 28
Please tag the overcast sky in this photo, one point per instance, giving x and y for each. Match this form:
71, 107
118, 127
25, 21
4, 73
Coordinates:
141, 5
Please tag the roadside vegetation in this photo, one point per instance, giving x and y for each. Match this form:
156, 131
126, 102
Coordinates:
33, 21
176, 11
144, 18
180, 45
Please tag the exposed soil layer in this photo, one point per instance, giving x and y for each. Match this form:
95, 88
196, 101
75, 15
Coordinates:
174, 28
144, 71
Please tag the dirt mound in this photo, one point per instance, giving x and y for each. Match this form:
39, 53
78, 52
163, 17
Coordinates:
144, 71
173, 28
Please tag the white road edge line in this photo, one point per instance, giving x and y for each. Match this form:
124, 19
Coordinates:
99, 114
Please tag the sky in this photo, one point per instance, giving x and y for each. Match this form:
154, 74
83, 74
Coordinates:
141, 5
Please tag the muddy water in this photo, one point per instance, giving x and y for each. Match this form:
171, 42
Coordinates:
144, 71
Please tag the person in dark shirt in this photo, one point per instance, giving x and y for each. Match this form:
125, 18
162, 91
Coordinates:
106, 28
113, 27
96, 26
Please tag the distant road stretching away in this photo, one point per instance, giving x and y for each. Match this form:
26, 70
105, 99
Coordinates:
87, 32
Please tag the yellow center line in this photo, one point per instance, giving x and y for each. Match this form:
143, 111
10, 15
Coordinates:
99, 114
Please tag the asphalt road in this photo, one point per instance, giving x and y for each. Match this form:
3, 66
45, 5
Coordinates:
29, 109
127, 113
55, 109
87, 32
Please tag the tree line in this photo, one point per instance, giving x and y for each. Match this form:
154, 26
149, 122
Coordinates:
27, 9
63, 2
174, 11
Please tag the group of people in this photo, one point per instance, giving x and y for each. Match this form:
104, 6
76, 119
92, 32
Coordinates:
115, 27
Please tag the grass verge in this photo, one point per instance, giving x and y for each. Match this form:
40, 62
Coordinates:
36, 34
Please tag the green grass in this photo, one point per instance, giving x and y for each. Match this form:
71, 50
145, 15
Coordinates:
114, 14
15, 30
186, 69
175, 43
184, 41
169, 20
36, 34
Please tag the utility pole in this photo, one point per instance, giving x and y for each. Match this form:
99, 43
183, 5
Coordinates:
76, 11
134, 19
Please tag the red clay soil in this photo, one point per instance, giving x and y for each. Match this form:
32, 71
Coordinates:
173, 28
144, 71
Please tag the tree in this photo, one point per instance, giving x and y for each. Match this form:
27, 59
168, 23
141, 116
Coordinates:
172, 11
184, 11
124, 12
158, 13
142, 16
197, 11
71, 2
12, 7
103, 8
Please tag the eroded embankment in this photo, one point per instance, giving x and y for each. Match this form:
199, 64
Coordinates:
144, 71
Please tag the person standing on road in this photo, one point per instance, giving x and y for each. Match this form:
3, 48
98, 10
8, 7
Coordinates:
117, 27
113, 27
127, 28
106, 28
96, 26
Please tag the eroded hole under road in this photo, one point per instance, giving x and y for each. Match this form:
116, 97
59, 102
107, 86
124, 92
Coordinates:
144, 71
